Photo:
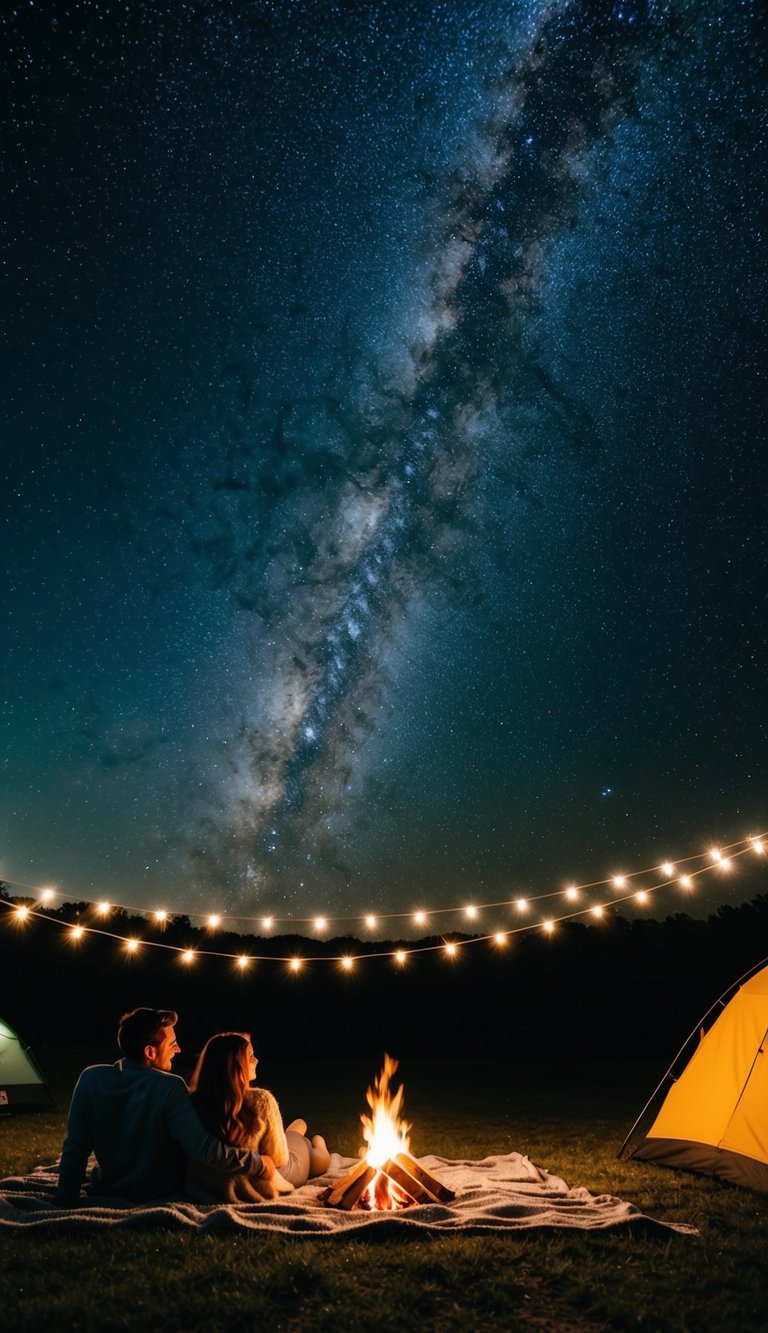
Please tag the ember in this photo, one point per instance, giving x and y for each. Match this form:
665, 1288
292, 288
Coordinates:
387, 1177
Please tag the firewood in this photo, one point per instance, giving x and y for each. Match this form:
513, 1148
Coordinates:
405, 1178
425, 1178
358, 1187
334, 1193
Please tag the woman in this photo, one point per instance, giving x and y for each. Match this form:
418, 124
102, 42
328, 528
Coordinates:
246, 1117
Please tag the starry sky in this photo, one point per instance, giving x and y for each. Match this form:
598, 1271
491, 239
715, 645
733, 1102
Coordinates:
383, 446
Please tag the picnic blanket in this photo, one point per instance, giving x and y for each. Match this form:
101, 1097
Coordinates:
497, 1194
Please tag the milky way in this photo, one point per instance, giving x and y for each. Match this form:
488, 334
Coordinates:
402, 509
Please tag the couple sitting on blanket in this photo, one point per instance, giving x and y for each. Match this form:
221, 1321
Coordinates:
219, 1140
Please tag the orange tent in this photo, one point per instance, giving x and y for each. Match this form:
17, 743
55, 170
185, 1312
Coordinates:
714, 1117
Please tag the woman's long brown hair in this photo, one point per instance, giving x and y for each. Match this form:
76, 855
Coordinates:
218, 1087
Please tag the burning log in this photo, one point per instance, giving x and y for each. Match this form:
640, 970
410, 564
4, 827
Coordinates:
352, 1185
399, 1182
425, 1178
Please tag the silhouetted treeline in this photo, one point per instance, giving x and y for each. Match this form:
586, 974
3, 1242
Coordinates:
622, 989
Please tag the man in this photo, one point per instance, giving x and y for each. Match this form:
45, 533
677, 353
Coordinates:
137, 1117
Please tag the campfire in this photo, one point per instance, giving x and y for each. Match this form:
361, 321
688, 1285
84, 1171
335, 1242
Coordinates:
387, 1177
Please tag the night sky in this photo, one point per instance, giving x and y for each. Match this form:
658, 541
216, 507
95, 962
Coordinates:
383, 447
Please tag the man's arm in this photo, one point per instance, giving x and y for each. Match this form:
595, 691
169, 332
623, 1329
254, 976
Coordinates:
76, 1149
187, 1128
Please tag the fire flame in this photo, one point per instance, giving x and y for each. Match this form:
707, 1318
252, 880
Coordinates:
385, 1134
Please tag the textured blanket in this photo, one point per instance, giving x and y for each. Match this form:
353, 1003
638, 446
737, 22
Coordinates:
497, 1194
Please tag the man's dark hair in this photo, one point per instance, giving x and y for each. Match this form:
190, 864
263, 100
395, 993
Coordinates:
143, 1027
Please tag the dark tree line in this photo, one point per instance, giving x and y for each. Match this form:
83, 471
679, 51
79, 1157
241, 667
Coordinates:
623, 989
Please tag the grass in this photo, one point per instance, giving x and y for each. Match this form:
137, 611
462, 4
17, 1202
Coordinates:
567, 1117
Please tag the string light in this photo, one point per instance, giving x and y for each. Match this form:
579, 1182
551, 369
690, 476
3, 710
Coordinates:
715, 858
421, 917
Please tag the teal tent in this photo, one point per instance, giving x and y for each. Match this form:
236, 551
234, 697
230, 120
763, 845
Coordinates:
22, 1086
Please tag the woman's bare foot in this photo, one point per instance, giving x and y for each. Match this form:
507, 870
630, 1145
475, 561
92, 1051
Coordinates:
299, 1126
319, 1156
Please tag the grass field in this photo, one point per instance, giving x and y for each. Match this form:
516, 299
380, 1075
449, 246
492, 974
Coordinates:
568, 1117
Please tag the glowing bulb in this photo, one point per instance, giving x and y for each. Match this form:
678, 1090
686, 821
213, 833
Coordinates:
371, 922
47, 895
500, 938
400, 957
104, 908
450, 949
187, 956
522, 904
22, 912
758, 846
295, 964
419, 918
619, 881
160, 917
548, 927
131, 945
686, 882
641, 897
268, 922
76, 932
597, 911
725, 863
320, 923
214, 921
668, 868
243, 961
716, 854
470, 913
347, 963
572, 893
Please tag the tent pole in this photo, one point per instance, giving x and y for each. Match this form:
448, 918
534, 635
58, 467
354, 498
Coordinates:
697, 1028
